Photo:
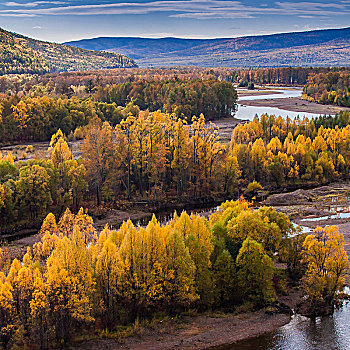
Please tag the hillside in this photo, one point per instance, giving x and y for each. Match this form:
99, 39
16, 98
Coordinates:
17, 58
329, 47
19, 54
139, 48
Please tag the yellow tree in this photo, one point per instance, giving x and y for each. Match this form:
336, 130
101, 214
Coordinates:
255, 272
39, 309
33, 191
49, 224
180, 273
140, 130
59, 150
7, 314
327, 265
131, 285
125, 140
108, 271
84, 223
232, 173
257, 226
180, 155
158, 151
97, 149
258, 153
20, 115
69, 284
149, 255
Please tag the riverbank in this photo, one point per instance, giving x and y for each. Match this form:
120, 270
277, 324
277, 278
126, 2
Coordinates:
199, 332
321, 206
207, 331
295, 104
258, 92
225, 127
216, 330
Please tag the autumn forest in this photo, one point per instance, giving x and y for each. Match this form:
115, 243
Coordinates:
149, 138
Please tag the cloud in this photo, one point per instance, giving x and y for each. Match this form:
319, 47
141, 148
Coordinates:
33, 4
14, 4
196, 9
16, 15
37, 27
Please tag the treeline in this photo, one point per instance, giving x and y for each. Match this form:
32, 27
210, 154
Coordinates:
156, 157
280, 76
79, 81
30, 189
275, 151
152, 156
36, 117
183, 97
329, 88
276, 76
74, 281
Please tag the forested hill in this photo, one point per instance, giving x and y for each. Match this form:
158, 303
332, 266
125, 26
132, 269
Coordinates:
15, 57
312, 48
19, 54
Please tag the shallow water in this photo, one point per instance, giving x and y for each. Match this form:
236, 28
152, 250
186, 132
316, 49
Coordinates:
302, 333
321, 333
282, 93
304, 229
335, 212
249, 112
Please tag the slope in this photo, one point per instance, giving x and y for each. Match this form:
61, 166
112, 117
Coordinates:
317, 47
16, 58
20, 54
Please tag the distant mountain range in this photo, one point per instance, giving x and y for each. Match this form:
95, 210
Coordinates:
19, 54
330, 47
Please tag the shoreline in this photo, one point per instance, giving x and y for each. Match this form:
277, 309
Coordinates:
199, 332
257, 92
215, 330
295, 104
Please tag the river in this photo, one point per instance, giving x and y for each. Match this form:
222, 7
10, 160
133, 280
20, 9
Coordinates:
302, 333
249, 112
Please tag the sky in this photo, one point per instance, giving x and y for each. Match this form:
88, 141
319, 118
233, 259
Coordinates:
65, 20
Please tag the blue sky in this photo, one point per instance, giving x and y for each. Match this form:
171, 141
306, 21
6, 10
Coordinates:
64, 20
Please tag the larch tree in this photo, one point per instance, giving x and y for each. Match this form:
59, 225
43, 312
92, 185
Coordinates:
327, 264
254, 273
59, 150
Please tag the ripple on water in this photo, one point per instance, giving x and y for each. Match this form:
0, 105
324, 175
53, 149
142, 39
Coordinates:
249, 112
302, 333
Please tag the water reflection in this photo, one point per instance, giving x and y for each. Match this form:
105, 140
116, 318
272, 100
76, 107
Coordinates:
330, 217
249, 112
321, 333
282, 93
304, 229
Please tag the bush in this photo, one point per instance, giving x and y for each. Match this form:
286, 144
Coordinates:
29, 149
